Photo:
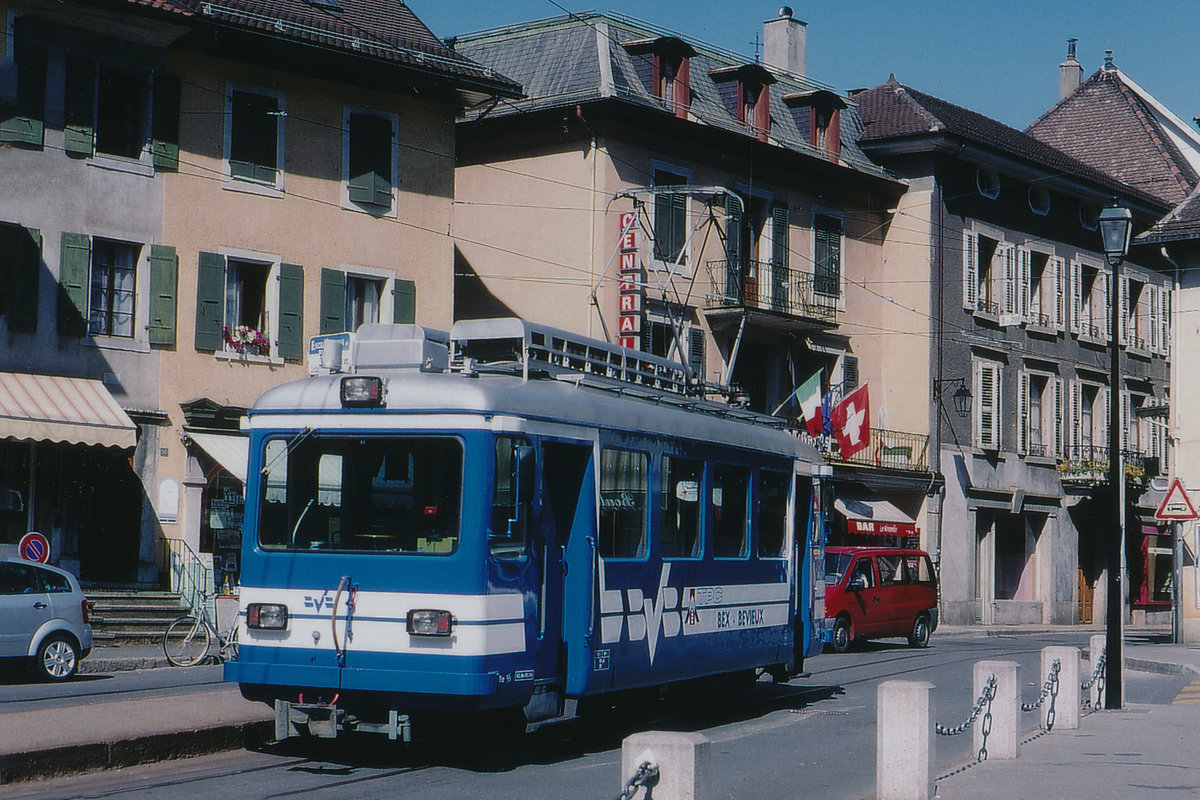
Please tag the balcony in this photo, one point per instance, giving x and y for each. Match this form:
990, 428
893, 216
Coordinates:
763, 286
889, 450
1087, 465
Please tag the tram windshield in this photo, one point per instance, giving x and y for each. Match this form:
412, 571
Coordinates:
352, 494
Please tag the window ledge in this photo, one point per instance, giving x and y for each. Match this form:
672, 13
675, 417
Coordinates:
250, 187
1138, 352
388, 212
116, 343
119, 164
1041, 330
246, 358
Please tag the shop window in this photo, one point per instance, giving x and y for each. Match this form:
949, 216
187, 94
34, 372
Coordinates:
1016, 575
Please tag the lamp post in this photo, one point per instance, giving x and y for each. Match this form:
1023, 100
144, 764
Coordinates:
1115, 226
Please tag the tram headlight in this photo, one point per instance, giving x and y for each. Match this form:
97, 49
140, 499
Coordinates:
362, 391
267, 616
430, 622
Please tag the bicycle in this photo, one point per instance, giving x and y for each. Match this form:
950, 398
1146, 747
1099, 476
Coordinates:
187, 640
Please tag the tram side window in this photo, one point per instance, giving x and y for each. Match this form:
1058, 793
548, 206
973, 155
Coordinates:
681, 507
623, 490
729, 492
772, 512
512, 495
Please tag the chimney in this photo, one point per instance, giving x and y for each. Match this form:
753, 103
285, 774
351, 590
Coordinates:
1070, 72
785, 43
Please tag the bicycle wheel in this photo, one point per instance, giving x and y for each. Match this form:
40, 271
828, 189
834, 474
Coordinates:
186, 641
229, 647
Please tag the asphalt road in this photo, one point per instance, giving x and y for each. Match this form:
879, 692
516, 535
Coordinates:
813, 738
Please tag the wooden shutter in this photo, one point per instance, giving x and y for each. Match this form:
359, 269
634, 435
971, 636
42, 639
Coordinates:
1076, 419
79, 106
1152, 295
1076, 296
1010, 278
291, 312
1123, 329
1058, 269
164, 127
21, 263
1164, 310
1023, 281
779, 236
210, 302
696, 352
849, 374
1126, 418
828, 232
1108, 299
73, 284
333, 301
164, 271
404, 302
988, 416
253, 137
733, 239
23, 121
1023, 421
370, 156
970, 253
1060, 422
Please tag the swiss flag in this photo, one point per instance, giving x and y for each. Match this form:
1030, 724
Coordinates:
851, 422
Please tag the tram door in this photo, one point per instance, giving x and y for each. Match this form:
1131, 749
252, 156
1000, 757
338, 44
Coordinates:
568, 512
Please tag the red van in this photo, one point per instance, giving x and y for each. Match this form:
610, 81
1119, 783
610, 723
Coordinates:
872, 592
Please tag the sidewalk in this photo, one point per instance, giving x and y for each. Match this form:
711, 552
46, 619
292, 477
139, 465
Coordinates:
1138, 752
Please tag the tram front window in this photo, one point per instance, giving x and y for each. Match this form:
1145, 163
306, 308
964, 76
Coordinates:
353, 494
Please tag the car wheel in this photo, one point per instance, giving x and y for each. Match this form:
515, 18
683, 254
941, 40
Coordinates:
920, 632
841, 639
57, 659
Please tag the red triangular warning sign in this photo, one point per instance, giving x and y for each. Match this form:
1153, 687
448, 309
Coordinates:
1176, 505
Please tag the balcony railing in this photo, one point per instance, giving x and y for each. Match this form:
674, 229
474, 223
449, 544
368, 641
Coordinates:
891, 450
770, 287
1088, 464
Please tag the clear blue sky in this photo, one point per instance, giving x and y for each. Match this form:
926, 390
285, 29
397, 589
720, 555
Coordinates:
998, 58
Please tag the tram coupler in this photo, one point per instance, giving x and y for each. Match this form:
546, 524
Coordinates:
326, 720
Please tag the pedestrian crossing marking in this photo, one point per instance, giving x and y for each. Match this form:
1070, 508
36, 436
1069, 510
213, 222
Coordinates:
1188, 695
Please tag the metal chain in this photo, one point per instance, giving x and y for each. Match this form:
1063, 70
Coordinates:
1096, 680
646, 775
1051, 685
986, 727
985, 698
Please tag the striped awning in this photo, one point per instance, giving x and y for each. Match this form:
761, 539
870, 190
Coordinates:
230, 450
874, 515
46, 408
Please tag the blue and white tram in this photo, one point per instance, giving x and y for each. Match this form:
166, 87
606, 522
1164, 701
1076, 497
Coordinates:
517, 520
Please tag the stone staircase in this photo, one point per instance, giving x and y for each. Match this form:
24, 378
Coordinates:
132, 615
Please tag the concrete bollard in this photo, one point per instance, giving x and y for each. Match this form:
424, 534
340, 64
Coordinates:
1004, 738
1066, 704
904, 743
1096, 646
682, 760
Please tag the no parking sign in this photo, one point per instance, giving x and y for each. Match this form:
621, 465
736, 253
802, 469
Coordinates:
34, 547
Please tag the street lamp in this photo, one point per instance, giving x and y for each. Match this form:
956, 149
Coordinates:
1116, 223
961, 396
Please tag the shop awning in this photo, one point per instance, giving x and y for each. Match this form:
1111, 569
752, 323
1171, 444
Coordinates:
45, 408
230, 450
874, 515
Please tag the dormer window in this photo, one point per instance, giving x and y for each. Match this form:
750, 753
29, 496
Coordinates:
818, 116
663, 64
745, 90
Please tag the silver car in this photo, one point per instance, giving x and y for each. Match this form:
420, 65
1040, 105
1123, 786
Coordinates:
43, 618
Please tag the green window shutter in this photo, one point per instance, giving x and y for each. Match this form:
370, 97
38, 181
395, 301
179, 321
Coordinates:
291, 311
79, 133
333, 301
163, 286
404, 306
23, 121
370, 160
210, 302
21, 256
164, 126
73, 284
253, 137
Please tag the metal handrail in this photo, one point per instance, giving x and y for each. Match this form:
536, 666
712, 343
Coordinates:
763, 285
891, 450
188, 575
